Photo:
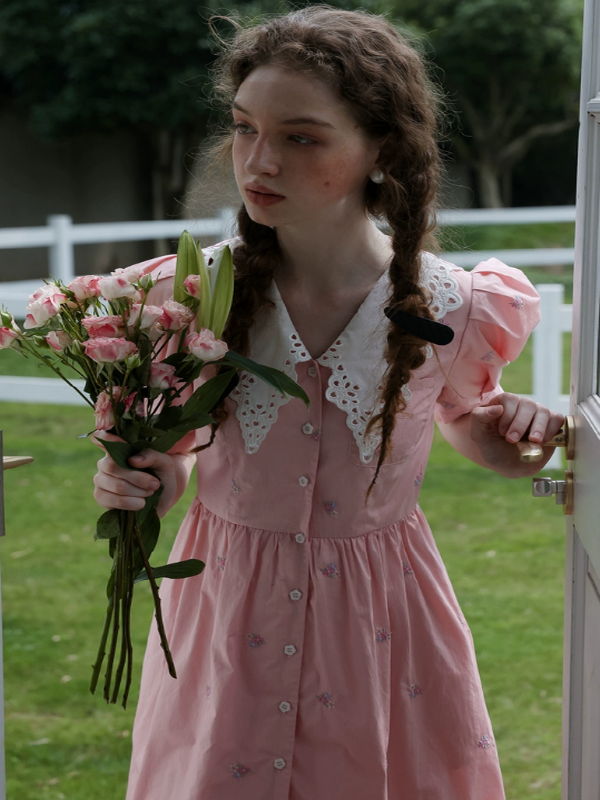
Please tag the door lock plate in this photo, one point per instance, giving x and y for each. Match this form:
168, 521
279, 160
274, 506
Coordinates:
562, 490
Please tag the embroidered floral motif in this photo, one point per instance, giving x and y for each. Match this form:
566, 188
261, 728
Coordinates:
414, 690
316, 437
208, 691
221, 561
490, 356
485, 742
234, 488
448, 405
407, 568
331, 571
330, 507
239, 770
325, 698
255, 640
517, 303
419, 479
382, 635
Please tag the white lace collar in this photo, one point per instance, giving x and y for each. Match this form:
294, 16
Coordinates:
355, 358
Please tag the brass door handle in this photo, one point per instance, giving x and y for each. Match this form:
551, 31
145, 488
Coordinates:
10, 462
529, 451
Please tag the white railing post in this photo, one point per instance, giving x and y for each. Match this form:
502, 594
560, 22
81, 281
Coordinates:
62, 259
547, 354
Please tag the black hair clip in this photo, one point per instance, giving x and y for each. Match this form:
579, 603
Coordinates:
427, 329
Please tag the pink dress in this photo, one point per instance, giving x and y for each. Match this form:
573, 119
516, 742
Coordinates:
322, 654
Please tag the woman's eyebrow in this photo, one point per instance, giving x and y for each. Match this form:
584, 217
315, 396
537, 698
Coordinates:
296, 121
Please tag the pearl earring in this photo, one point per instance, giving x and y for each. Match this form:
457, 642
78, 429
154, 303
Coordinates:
377, 176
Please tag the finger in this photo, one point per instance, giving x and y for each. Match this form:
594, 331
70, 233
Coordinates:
539, 424
510, 406
516, 427
130, 477
555, 423
124, 502
151, 459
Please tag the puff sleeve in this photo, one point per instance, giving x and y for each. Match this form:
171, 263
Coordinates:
504, 309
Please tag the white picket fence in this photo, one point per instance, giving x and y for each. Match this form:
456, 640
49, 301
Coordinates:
61, 236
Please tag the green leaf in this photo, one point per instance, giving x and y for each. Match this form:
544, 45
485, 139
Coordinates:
187, 264
181, 569
223, 294
120, 452
171, 438
204, 310
274, 377
169, 417
207, 396
108, 525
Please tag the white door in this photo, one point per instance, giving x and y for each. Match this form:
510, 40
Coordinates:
581, 696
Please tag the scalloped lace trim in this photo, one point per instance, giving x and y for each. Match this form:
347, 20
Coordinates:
256, 417
351, 386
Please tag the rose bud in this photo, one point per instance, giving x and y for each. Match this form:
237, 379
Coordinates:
59, 340
44, 304
193, 286
7, 336
116, 286
151, 316
85, 286
203, 345
110, 326
162, 376
107, 350
103, 410
175, 316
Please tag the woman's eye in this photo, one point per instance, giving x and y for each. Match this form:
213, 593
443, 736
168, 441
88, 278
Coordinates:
242, 127
301, 139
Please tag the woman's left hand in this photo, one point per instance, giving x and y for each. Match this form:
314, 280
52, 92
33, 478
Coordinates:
507, 419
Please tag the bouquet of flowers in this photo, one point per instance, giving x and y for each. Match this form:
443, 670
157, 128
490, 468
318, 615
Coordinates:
104, 329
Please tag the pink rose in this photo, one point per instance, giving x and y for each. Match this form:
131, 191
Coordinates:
8, 335
162, 376
204, 345
135, 272
151, 316
116, 286
44, 304
59, 340
175, 316
193, 286
104, 349
103, 410
85, 286
109, 326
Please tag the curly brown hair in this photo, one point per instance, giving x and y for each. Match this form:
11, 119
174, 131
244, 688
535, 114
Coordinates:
384, 83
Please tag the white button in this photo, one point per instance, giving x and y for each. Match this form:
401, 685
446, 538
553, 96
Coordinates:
295, 594
289, 649
303, 480
312, 371
308, 429
300, 537
285, 707
279, 763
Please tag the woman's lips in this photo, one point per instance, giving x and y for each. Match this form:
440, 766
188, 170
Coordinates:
263, 198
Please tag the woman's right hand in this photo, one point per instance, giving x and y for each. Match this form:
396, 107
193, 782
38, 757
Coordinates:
128, 489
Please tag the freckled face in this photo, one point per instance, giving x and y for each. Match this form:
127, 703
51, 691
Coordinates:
298, 154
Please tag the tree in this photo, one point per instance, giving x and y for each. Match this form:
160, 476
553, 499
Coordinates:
511, 70
81, 65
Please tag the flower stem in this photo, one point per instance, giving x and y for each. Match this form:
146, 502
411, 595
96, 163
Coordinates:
101, 649
157, 608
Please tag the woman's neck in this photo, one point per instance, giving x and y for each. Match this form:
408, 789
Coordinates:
326, 259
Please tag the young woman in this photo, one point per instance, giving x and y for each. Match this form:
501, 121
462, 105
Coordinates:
322, 654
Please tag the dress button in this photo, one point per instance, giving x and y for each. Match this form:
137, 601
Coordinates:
285, 707
279, 763
289, 649
300, 537
303, 480
312, 371
308, 429
295, 594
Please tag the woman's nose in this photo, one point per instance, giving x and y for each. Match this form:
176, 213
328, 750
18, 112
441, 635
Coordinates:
262, 159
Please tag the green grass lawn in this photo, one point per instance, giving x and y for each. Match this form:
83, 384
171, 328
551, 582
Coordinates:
504, 552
